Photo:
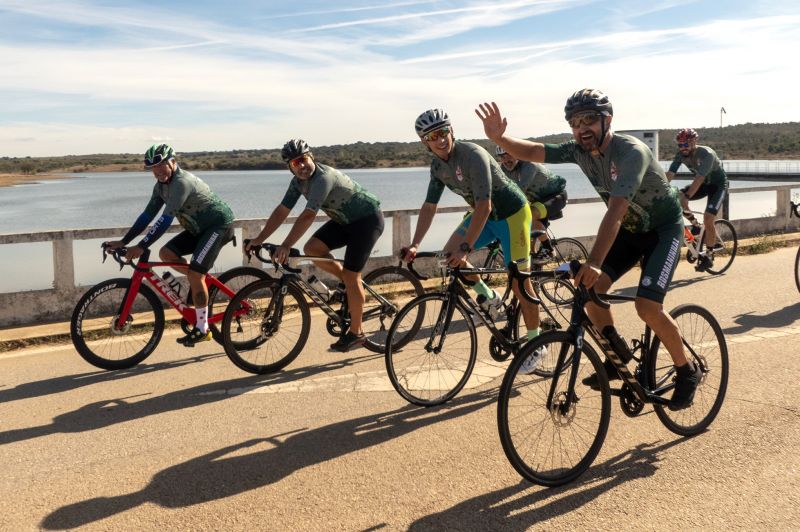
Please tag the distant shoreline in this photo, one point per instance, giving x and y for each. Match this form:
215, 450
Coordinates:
8, 180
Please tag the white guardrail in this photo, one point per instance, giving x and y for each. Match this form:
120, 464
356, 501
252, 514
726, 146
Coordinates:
56, 304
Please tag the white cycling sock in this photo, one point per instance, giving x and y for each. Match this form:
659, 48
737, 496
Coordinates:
201, 319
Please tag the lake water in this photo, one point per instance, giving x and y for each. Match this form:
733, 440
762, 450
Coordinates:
98, 200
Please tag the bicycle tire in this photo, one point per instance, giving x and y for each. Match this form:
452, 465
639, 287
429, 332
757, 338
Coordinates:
257, 345
701, 331
558, 321
541, 443
797, 269
419, 375
494, 261
564, 250
727, 235
396, 285
93, 334
235, 279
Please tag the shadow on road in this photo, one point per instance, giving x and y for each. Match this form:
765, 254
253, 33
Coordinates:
105, 413
524, 505
66, 383
228, 471
780, 318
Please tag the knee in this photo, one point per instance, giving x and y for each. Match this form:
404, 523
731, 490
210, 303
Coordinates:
647, 309
166, 255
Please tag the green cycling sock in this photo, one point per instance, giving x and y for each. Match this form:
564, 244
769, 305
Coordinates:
482, 289
533, 333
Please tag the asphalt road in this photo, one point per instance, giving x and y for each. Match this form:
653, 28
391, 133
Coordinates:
188, 441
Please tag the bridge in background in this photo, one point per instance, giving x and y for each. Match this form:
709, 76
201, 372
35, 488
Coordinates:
56, 304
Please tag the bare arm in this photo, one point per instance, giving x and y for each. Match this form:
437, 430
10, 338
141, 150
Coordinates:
299, 228
606, 234
670, 176
494, 125
479, 217
273, 222
424, 221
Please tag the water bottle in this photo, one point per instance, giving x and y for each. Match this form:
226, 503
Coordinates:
320, 287
172, 282
696, 229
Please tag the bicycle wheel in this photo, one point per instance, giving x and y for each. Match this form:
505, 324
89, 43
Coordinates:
797, 270
437, 361
564, 250
99, 342
704, 343
553, 316
390, 288
235, 279
266, 340
494, 261
553, 446
726, 236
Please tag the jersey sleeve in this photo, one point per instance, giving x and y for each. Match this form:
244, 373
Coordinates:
560, 153
676, 163
292, 195
435, 189
179, 192
630, 173
705, 163
318, 192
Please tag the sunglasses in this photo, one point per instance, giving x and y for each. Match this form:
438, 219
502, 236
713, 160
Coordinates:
158, 159
297, 162
436, 135
683, 144
587, 119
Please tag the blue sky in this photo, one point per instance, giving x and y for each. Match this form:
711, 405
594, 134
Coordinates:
93, 76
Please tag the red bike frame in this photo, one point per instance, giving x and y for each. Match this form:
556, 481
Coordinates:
144, 271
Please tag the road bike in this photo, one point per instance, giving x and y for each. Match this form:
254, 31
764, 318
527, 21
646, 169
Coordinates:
119, 322
795, 211
721, 255
276, 327
439, 349
564, 250
552, 427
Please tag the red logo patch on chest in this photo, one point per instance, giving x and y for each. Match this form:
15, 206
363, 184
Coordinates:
459, 175
613, 171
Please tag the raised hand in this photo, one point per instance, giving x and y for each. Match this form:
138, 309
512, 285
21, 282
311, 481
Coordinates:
494, 125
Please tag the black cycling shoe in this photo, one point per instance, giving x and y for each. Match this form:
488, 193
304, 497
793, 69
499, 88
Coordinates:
594, 383
685, 385
348, 342
194, 337
704, 262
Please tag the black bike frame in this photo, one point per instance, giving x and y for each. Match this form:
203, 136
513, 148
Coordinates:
580, 322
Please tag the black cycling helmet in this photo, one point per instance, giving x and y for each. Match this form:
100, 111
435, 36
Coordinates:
157, 154
294, 149
588, 100
431, 120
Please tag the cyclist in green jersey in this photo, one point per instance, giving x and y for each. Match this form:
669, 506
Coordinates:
546, 193
356, 223
207, 221
500, 210
642, 225
710, 180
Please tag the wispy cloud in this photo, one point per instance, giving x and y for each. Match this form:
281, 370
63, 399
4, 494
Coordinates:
225, 77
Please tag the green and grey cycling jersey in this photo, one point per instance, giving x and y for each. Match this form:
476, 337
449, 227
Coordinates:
474, 175
341, 198
703, 161
190, 200
627, 170
536, 181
